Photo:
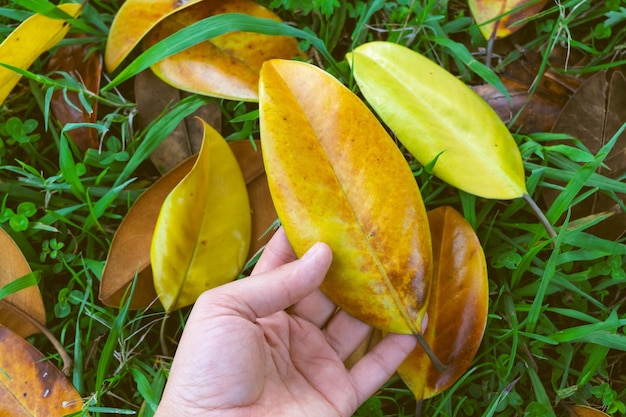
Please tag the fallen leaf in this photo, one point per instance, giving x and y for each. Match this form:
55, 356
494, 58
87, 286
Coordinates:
593, 115
202, 234
540, 110
584, 411
129, 253
85, 65
457, 308
437, 117
13, 265
226, 66
336, 176
31, 385
501, 18
30, 39
152, 96
131, 23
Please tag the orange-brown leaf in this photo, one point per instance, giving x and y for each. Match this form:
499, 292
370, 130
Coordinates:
457, 310
31, 385
133, 20
226, 66
13, 265
336, 176
85, 65
497, 18
584, 411
130, 249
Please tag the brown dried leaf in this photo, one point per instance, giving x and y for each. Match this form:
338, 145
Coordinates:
593, 115
86, 66
130, 250
539, 110
30, 385
584, 411
13, 265
152, 96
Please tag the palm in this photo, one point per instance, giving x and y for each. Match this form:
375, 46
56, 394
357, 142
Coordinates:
242, 355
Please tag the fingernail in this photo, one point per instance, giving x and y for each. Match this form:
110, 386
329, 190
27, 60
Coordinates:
312, 251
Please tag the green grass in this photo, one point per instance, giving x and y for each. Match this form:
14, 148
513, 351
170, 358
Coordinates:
555, 332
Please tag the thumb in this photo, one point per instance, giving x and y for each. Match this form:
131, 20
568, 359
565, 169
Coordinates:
275, 290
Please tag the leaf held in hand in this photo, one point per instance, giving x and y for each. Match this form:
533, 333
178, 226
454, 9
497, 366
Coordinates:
336, 176
133, 20
435, 115
226, 66
585, 411
13, 265
202, 235
457, 310
30, 39
31, 385
502, 18
130, 250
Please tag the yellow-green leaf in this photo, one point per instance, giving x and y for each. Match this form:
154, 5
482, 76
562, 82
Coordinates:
13, 265
436, 116
202, 234
133, 20
501, 18
336, 176
226, 66
457, 310
30, 39
585, 411
29, 384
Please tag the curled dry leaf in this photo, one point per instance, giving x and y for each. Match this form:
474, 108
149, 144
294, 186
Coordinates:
457, 309
226, 66
30, 39
130, 250
152, 96
202, 234
31, 385
13, 265
86, 66
336, 176
133, 20
501, 18
436, 116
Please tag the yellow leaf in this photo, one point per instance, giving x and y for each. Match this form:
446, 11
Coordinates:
202, 233
501, 18
30, 39
13, 265
435, 115
336, 176
226, 66
133, 20
31, 385
129, 254
457, 308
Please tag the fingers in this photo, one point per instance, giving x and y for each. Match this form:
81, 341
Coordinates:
316, 308
378, 365
272, 291
277, 252
344, 334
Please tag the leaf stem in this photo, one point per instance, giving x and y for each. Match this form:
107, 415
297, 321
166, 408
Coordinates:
67, 361
542, 217
429, 352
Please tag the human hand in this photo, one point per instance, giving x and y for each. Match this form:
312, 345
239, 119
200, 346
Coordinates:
242, 354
